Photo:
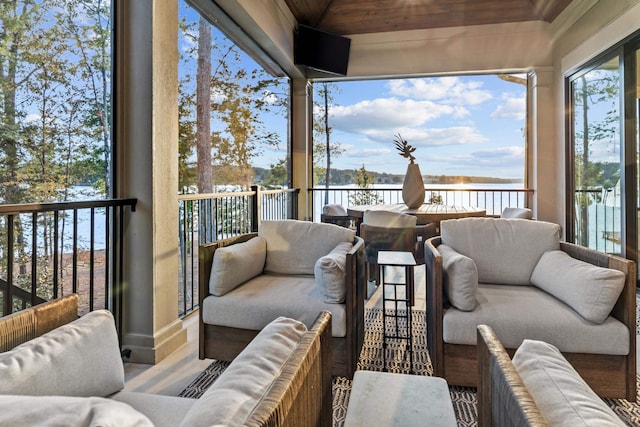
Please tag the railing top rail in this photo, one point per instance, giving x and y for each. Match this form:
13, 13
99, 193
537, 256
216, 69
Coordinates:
16, 209
215, 195
281, 190
497, 190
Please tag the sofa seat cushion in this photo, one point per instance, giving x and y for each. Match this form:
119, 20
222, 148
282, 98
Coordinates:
68, 411
505, 251
517, 312
163, 411
56, 362
293, 247
260, 300
235, 394
562, 396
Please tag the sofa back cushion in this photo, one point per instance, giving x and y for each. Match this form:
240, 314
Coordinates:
81, 358
293, 247
590, 290
504, 250
235, 264
230, 400
562, 396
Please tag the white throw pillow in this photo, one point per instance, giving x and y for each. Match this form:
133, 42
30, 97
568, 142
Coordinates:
235, 264
331, 274
81, 358
388, 219
562, 396
293, 247
230, 400
590, 290
68, 411
460, 276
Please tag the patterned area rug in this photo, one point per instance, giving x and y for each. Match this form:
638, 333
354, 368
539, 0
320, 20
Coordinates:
463, 398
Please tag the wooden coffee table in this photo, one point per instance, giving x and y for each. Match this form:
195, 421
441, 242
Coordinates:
384, 399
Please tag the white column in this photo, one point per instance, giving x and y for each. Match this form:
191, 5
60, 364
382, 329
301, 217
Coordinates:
147, 169
302, 145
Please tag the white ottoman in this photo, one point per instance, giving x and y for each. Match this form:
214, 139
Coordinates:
384, 399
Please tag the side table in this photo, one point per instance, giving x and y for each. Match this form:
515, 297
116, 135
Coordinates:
401, 296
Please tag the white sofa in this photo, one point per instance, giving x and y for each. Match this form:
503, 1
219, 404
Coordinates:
73, 375
518, 277
288, 268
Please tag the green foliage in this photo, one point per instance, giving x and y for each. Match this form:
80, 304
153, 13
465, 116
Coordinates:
277, 176
364, 196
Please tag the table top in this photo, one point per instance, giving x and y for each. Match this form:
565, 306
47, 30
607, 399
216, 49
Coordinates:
428, 212
396, 258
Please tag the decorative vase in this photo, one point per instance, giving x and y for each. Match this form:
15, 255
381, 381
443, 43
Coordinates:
413, 187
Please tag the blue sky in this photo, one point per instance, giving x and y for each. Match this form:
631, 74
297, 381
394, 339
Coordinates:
464, 125
460, 125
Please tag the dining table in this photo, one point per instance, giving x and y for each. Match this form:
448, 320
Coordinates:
425, 213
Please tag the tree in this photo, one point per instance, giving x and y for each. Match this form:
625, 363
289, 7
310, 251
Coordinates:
364, 196
203, 108
323, 146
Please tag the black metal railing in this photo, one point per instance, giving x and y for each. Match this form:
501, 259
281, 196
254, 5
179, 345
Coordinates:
205, 218
598, 220
48, 250
494, 200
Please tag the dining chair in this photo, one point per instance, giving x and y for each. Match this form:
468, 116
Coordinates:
336, 214
390, 231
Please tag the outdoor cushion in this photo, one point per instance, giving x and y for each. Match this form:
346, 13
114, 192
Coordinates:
460, 276
517, 213
562, 396
293, 247
516, 312
388, 219
163, 411
334, 210
250, 307
236, 392
56, 362
330, 274
230, 267
68, 411
505, 251
590, 290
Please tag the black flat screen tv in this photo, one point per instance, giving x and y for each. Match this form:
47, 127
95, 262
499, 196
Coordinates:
320, 50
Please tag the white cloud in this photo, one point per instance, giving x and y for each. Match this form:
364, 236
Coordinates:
492, 158
389, 113
449, 90
512, 107
432, 137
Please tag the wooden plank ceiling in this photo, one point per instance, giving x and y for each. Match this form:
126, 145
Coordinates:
347, 17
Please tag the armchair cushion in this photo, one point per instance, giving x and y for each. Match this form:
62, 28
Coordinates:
505, 251
460, 276
235, 264
563, 397
590, 290
230, 400
331, 273
293, 247
68, 411
334, 210
55, 363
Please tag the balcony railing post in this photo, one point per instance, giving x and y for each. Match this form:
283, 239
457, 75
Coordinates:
255, 208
